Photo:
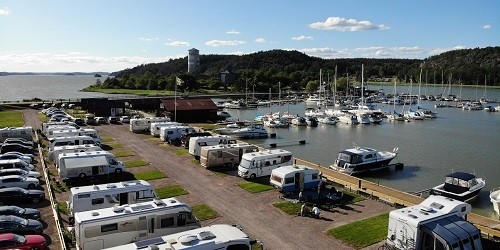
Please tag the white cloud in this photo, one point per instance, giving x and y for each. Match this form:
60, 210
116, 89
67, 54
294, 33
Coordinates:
4, 11
218, 43
326, 53
438, 51
487, 27
260, 40
343, 24
147, 39
233, 32
393, 52
300, 38
177, 44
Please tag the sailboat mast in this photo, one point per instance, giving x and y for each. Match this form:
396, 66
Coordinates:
335, 87
362, 84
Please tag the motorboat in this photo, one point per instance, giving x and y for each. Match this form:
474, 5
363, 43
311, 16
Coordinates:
348, 118
312, 121
330, 120
254, 130
314, 112
223, 114
235, 105
495, 199
459, 186
361, 159
299, 121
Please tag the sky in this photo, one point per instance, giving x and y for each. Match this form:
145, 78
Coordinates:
111, 35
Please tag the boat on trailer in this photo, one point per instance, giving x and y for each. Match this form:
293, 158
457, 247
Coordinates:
361, 159
459, 186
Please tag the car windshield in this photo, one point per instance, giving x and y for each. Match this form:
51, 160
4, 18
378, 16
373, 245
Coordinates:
245, 163
20, 220
19, 238
19, 210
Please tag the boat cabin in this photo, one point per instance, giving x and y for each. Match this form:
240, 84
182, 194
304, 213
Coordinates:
459, 182
357, 155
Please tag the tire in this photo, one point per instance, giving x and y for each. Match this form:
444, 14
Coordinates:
36, 200
31, 186
252, 176
118, 171
82, 175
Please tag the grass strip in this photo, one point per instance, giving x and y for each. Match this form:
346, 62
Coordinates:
170, 191
106, 138
11, 118
181, 151
62, 207
122, 153
204, 212
254, 187
288, 207
154, 139
150, 175
362, 233
135, 163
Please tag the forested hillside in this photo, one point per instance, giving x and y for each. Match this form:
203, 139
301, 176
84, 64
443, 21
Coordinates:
296, 70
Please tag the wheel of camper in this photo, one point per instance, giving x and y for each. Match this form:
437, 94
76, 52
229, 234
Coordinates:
36, 200
118, 171
82, 175
252, 176
31, 186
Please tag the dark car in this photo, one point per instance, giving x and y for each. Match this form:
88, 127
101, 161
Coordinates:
21, 141
8, 147
22, 242
27, 213
16, 195
14, 224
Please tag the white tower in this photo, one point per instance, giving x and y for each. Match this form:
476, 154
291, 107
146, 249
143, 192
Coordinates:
193, 60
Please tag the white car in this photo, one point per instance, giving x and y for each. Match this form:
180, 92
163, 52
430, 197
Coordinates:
21, 172
16, 163
19, 181
8, 156
20, 154
125, 119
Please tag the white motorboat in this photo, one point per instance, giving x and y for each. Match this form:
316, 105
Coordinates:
299, 121
459, 186
395, 116
330, 120
254, 130
348, 118
495, 199
360, 159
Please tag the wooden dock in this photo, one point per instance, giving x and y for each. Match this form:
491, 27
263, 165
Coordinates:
489, 227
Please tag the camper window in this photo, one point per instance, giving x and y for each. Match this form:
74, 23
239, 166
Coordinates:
289, 180
267, 163
181, 219
97, 201
276, 178
167, 222
314, 176
109, 227
286, 158
82, 196
274, 162
112, 162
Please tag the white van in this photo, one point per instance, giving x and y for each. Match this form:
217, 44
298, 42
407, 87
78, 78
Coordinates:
17, 132
70, 140
140, 125
259, 164
225, 154
46, 125
54, 154
74, 165
172, 134
156, 126
195, 143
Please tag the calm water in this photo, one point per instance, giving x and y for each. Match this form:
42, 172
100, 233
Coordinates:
457, 140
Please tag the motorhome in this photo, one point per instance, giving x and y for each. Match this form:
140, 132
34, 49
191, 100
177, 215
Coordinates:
173, 134
436, 223
46, 125
219, 236
261, 163
16, 132
195, 143
294, 178
156, 126
119, 225
53, 155
71, 140
75, 132
50, 129
225, 154
107, 195
141, 125
74, 165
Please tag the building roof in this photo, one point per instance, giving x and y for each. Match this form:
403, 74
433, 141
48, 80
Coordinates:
189, 104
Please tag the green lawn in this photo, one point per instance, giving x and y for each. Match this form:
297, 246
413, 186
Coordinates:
181, 151
254, 187
204, 212
362, 233
135, 163
150, 175
106, 138
122, 153
288, 207
11, 118
170, 191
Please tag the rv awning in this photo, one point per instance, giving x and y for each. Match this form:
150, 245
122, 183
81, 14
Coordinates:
80, 162
448, 229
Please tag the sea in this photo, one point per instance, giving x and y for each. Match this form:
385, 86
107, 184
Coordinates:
457, 140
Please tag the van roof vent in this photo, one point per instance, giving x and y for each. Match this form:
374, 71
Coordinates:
95, 187
94, 213
173, 201
118, 209
188, 240
111, 186
206, 235
426, 209
159, 203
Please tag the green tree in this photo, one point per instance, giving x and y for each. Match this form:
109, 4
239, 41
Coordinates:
312, 86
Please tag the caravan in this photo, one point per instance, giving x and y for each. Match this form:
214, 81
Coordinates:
54, 154
259, 164
73, 165
47, 125
224, 154
17, 132
295, 178
156, 126
173, 134
219, 236
70, 140
107, 195
195, 143
75, 132
140, 125
119, 225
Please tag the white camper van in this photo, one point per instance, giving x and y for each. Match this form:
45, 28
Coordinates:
73, 165
225, 154
119, 225
17, 132
54, 154
74, 132
50, 129
294, 178
70, 140
107, 195
436, 223
219, 236
172, 134
140, 125
195, 143
47, 125
156, 126
262, 163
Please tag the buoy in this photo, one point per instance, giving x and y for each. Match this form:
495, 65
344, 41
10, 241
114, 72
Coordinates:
272, 135
302, 142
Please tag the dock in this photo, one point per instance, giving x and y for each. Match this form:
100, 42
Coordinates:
489, 227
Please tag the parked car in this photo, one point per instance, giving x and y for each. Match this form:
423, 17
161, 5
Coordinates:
19, 181
8, 156
90, 119
20, 172
20, 242
27, 213
100, 120
8, 147
78, 121
16, 163
112, 120
20, 154
21, 141
16, 195
14, 224
125, 119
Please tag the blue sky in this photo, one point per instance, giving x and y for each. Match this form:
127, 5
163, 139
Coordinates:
110, 35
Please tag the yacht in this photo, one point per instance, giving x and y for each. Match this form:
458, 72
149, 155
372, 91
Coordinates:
312, 121
495, 199
459, 186
299, 121
254, 130
330, 120
361, 159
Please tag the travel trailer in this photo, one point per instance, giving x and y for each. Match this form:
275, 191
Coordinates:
141, 125
50, 129
74, 165
195, 143
107, 195
156, 126
75, 132
119, 225
295, 178
46, 125
172, 134
225, 154
219, 236
54, 154
71, 140
436, 223
17, 132
261, 163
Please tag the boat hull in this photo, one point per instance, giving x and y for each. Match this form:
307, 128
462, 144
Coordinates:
461, 197
495, 199
363, 167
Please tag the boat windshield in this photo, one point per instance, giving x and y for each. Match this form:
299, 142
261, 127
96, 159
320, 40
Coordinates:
245, 163
344, 157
